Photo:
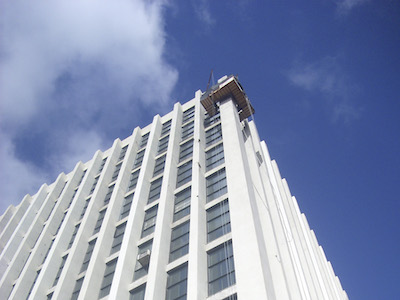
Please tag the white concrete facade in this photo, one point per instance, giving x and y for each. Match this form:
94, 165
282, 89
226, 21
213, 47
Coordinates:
188, 207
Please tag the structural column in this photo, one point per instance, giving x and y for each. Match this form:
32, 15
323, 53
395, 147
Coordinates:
242, 207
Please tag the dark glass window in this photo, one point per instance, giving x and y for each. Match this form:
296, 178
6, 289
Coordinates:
77, 288
177, 283
84, 208
118, 236
182, 204
144, 140
218, 221
48, 250
208, 121
187, 130
184, 174
155, 190
126, 206
221, 269
122, 153
216, 185
138, 159
214, 157
231, 297
149, 222
80, 180
108, 195
159, 165
163, 145
96, 179
188, 115
179, 241
142, 266
64, 259
133, 180
116, 172
72, 198
59, 225
74, 235
213, 135
99, 221
88, 255
138, 293
166, 127
102, 164
186, 150
108, 277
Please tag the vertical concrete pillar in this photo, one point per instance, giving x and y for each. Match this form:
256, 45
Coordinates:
242, 208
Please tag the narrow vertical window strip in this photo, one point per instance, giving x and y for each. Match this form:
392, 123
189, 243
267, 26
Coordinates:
216, 185
188, 115
182, 204
60, 268
48, 250
179, 241
186, 150
187, 131
213, 135
102, 165
163, 145
84, 208
211, 120
221, 269
99, 222
108, 278
166, 127
118, 237
108, 195
155, 190
133, 180
218, 221
184, 174
138, 293
116, 172
77, 288
215, 157
88, 255
96, 179
74, 235
159, 165
149, 222
143, 260
177, 283
122, 153
80, 180
138, 159
126, 207
144, 140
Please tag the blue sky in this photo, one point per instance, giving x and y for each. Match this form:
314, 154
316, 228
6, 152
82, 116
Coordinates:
323, 76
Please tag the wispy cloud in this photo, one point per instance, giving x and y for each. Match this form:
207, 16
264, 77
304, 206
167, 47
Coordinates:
72, 73
328, 79
345, 6
203, 12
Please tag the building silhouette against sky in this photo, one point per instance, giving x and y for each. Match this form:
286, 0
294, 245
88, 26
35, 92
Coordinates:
189, 207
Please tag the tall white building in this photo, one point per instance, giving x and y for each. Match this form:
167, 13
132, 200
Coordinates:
189, 207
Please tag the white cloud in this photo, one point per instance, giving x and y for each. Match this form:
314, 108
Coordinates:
345, 6
203, 13
72, 71
330, 81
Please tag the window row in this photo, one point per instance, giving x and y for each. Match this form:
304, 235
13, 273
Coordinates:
221, 275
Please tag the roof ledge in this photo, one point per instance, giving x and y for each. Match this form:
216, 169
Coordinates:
227, 87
